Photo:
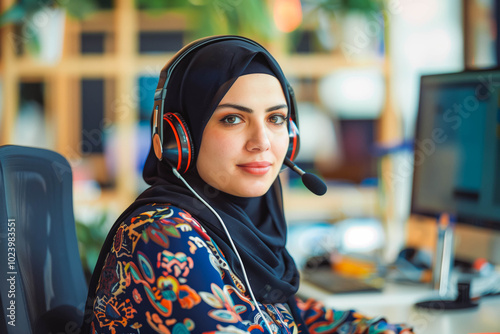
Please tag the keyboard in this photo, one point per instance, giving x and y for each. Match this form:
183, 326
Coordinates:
333, 282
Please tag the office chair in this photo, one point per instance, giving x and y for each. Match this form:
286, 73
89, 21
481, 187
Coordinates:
42, 284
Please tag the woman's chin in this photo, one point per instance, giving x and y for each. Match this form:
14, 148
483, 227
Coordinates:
249, 190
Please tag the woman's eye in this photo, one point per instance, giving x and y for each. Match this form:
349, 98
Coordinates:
277, 119
232, 119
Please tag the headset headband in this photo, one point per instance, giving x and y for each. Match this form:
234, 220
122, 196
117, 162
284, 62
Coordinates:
168, 69
166, 73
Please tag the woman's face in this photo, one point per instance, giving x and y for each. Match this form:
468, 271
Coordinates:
246, 139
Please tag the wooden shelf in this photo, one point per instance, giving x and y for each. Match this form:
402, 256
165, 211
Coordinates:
316, 66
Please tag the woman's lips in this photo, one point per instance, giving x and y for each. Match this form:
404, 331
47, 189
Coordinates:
256, 168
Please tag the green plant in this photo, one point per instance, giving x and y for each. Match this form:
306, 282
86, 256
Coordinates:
339, 6
23, 10
30, 15
251, 18
90, 239
325, 18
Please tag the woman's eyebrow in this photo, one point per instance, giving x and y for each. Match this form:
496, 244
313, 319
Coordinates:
249, 110
277, 107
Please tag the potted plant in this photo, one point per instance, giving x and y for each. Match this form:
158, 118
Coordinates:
345, 24
39, 24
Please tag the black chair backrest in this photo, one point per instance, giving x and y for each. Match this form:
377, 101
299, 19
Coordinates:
42, 283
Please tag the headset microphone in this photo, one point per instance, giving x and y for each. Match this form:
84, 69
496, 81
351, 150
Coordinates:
311, 181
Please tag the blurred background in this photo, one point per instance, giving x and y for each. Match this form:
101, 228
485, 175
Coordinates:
78, 77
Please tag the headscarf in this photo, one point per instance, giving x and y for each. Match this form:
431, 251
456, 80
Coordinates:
257, 225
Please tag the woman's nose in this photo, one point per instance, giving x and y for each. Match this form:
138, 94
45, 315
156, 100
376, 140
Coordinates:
258, 138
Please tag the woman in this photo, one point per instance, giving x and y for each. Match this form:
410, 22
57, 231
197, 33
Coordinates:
203, 249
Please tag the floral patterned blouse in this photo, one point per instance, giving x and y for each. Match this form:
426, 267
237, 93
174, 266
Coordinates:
165, 275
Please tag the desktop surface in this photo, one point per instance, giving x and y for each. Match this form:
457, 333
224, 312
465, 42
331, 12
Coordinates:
396, 303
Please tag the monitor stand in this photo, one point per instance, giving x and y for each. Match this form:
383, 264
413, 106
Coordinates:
463, 300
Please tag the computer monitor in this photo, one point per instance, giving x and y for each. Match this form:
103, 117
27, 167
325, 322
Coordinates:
457, 147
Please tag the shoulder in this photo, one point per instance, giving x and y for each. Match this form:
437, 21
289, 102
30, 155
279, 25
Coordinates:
167, 239
166, 218
156, 227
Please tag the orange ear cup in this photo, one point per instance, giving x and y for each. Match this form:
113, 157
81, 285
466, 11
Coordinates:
177, 145
294, 144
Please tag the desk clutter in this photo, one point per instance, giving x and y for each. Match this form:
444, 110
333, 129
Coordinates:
339, 257
321, 272
325, 261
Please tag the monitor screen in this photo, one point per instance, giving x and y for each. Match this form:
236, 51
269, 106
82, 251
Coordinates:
457, 147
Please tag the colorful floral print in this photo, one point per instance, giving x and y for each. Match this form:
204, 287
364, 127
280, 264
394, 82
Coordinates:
165, 275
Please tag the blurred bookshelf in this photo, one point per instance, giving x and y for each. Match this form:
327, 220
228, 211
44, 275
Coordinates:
95, 88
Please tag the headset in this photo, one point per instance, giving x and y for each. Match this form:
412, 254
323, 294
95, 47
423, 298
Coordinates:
170, 134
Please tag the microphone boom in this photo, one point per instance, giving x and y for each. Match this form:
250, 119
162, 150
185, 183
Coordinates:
311, 181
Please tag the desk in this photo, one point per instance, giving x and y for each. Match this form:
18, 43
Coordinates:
396, 302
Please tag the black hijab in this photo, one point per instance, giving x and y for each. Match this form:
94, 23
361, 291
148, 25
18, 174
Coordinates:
257, 225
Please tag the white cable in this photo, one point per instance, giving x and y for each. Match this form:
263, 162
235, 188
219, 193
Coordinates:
176, 173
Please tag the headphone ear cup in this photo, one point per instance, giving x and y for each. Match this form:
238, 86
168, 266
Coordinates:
294, 143
177, 144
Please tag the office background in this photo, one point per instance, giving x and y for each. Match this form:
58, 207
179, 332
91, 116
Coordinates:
78, 78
